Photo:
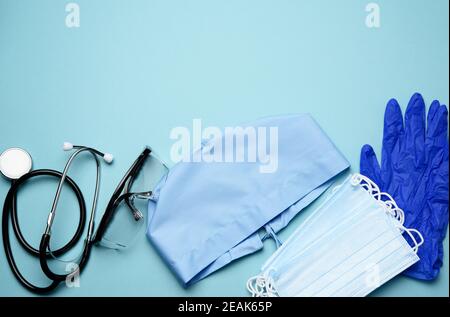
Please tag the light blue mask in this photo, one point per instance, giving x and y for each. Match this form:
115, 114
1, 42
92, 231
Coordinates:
349, 246
206, 215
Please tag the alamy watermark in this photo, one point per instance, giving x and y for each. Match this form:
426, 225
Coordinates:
373, 16
230, 145
73, 277
73, 15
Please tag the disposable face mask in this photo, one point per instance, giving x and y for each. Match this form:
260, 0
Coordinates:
208, 214
349, 246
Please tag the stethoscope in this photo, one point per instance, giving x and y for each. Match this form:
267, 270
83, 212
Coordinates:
16, 165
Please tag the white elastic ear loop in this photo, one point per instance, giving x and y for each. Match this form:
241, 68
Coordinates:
356, 179
410, 234
399, 215
390, 204
392, 207
255, 285
369, 185
261, 286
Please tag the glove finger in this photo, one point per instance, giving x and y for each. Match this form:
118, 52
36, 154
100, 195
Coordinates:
432, 115
392, 135
368, 165
415, 129
434, 217
437, 129
439, 198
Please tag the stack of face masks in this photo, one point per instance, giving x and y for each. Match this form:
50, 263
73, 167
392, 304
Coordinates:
349, 246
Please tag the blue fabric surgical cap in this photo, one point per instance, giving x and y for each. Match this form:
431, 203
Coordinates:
206, 215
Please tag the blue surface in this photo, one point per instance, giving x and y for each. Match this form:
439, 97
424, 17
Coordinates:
135, 70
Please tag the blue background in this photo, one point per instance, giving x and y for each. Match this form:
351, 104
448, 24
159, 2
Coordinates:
136, 69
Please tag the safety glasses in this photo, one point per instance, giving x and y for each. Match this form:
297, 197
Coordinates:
123, 219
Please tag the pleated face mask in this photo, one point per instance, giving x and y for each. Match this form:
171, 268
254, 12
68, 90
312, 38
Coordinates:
351, 244
207, 214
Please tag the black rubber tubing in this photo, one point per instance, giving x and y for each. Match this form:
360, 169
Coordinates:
10, 208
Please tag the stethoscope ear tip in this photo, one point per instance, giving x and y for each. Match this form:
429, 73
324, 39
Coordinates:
67, 146
108, 158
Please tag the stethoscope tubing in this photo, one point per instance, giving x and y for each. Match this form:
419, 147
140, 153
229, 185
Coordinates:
10, 208
45, 240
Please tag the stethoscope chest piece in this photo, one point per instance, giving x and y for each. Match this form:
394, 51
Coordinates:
15, 162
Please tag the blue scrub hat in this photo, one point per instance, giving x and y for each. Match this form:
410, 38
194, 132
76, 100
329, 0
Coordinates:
206, 215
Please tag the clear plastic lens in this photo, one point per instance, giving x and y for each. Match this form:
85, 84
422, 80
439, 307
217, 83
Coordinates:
123, 228
151, 173
128, 220
67, 263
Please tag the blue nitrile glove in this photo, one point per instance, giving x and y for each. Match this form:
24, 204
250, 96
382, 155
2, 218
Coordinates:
414, 171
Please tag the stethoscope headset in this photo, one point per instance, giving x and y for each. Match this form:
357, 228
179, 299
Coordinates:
16, 165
